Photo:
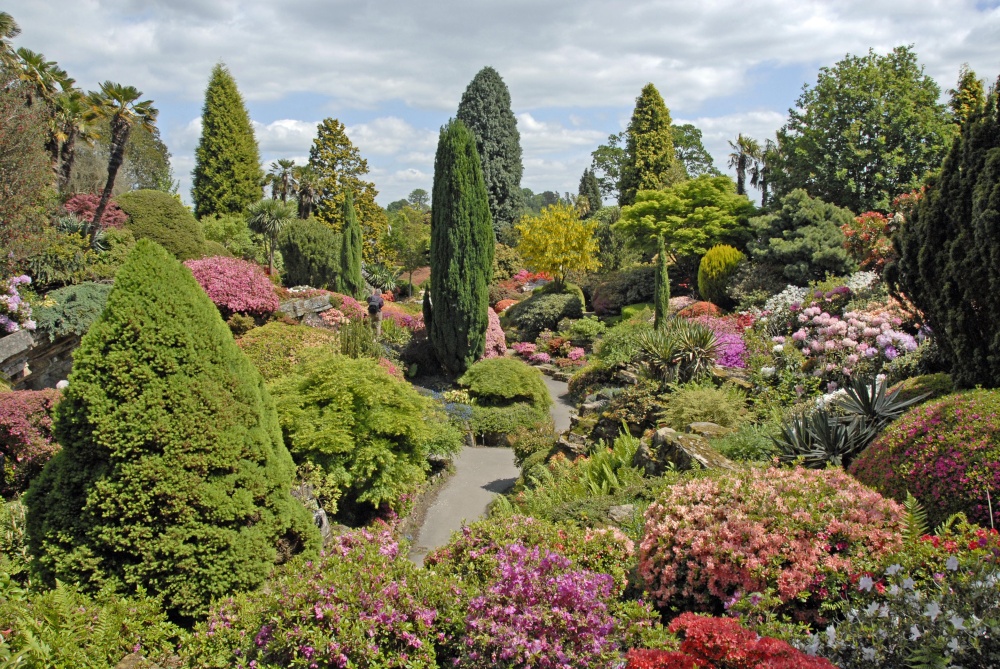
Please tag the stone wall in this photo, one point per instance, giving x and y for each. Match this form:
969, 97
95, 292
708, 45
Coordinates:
29, 361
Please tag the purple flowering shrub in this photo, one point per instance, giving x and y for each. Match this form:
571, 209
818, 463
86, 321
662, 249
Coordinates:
361, 604
234, 285
524, 348
946, 453
729, 335
496, 342
540, 358
15, 313
25, 436
540, 612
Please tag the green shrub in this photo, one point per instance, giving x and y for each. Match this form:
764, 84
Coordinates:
311, 254
610, 292
502, 381
531, 439
240, 324
944, 453
620, 344
591, 377
637, 406
60, 259
583, 332
232, 232
638, 312
14, 557
930, 386
370, 433
161, 217
172, 477
210, 249
749, 443
715, 271
276, 348
71, 310
506, 263
357, 340
725, 406
542, 311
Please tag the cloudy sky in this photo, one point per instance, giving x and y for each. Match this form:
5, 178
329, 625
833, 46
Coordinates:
394, 70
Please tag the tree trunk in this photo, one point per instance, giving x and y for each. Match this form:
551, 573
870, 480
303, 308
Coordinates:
120, 129
67, 155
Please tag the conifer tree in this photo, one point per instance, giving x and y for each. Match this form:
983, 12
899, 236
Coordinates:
227, 172
949, 253
661, 289
967, 98
173, 477
650, 161
485, 110
590, 188
351, 281
462, 248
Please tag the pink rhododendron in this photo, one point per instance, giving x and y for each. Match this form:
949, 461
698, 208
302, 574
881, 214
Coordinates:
26, 440
496, 342
234, 285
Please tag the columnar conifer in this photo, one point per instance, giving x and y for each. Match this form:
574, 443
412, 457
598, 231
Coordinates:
351, 281
650, 160
227, 173
590, 188
661, 290
173, 477
462, 248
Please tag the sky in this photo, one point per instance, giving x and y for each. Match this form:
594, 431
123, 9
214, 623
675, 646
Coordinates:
393, 71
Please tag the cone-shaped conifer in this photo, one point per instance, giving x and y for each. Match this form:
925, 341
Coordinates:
351, 281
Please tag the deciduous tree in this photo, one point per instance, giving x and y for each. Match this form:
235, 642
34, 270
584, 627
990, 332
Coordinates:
967, 98
558, 241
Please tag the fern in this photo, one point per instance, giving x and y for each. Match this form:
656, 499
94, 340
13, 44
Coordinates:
915, 523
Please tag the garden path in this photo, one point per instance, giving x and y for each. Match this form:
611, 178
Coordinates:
480, 475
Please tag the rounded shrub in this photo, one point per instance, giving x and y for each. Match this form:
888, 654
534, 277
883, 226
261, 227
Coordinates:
235, 286
507, 394
725, 406
610, 292
716, 270
160, 217
173, 477
311, 253
542, 311
26, 442
928, 386
946, 453
276, 348
799, 532
213, 248
71, 310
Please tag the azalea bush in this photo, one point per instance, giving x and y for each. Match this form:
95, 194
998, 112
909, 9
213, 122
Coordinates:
26, 441
496, 343
729, 335
361, 604
945, 453
713, 540
15, 312
235, 286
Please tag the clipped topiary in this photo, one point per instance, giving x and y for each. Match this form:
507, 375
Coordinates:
173, 477
944, 453
311, 253
715, 271
542, 311
507, 394
159, 216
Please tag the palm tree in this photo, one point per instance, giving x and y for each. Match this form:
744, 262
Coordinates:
282, 179
73, 120
760, 174
43, 78
8, 31
307, 188
119, 104
268, 218
746, 152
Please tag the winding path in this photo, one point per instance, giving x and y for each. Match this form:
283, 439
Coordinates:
480, 475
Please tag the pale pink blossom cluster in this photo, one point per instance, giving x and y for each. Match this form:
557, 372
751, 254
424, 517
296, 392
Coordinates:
234, 285
496, 342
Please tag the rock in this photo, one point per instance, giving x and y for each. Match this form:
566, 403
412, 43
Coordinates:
300, 308
315, 321
593, 407
570, 449
626, 377
607, 393
683, 451
136, 661
305, 494
735, 376
622, 513
709, 430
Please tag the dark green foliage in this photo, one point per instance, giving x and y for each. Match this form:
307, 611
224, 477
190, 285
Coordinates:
71, 310
679, 351
613, 249
715, 271
350, 279
949, 253
661, 293
542, 311
803, 237
610, 292
649, 161
310, 251
160, 217
485, 111
691, 153
462, 248
871, 127
507, 395
590, 188
928, 386
212, 248
227, 173
368, 432
506, 263
172, 477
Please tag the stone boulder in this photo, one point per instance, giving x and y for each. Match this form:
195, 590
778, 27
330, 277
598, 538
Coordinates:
305, 494
621, 513
709, 430
300, 308
683, 451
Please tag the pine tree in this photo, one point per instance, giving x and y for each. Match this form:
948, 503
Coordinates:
227, 172
485, 110
650, 161
462, 248
173, 476
949, 253
661, 290
351, 281
590, 188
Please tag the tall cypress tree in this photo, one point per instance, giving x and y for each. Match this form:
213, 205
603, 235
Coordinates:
351, 281
949, 252
590, 188
227, 172
650, 161
485, 110
661, 289
462, 247
173, 476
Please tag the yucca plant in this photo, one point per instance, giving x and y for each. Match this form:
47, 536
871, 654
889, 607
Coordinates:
658, 349
868, 400
820, 439
381, 276
698, 348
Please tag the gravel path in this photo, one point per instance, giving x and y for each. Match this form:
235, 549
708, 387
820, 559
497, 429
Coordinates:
480, 475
